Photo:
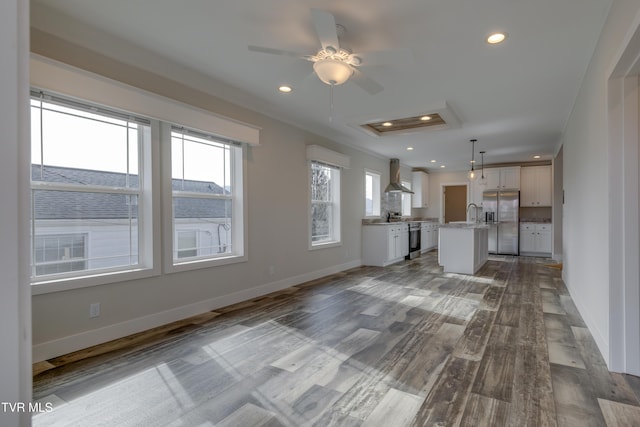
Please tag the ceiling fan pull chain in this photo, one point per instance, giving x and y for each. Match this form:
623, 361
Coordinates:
331, 103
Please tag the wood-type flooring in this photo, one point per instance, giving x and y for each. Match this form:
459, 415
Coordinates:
405, 345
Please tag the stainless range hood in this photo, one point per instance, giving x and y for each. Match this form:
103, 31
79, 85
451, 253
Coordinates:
395, 185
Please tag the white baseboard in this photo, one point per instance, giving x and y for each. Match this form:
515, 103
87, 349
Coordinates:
557, 257
58, 347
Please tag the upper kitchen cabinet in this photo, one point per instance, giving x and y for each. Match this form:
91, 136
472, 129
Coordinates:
420, 187
503, 178
535, 188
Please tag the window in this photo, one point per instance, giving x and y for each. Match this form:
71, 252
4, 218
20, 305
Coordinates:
371, 193
325, 203
206, 183
187, 243
60, 253
406, 200
87, 187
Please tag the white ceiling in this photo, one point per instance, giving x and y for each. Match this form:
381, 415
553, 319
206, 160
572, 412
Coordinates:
514, 98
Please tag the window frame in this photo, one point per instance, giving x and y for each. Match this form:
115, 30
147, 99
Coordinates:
405, 206
147, 216
239, 209
376, 193
336, 220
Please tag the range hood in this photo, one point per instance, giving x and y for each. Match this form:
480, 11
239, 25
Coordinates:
394, 176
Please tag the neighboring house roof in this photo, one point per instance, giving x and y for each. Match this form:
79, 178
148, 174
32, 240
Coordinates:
77, 205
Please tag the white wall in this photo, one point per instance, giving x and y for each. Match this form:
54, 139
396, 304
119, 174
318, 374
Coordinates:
278, 224
585, 143
558, 163
15, 324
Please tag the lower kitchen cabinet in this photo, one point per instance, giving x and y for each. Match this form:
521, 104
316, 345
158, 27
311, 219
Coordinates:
428, 236
384, 244
535, 239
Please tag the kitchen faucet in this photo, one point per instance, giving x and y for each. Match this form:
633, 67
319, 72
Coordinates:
477, 209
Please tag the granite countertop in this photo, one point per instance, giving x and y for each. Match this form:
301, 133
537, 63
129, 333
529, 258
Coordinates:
379, 221
537, 220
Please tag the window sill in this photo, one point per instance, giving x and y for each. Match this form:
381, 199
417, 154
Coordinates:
204, 263
70, 283
326, 245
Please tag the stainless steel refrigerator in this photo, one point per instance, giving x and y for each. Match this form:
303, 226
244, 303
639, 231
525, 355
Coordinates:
501, 212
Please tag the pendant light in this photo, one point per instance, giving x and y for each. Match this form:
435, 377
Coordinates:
483, 179
472, 173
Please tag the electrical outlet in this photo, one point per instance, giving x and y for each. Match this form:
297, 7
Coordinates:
94, 309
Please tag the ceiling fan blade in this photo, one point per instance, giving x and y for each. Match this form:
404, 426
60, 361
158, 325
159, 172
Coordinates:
272, 51
367, 83
325, 25
386, 57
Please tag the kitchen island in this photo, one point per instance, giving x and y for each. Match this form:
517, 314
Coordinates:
463, 248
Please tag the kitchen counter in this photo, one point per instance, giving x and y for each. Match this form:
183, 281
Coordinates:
464, 224
463, 247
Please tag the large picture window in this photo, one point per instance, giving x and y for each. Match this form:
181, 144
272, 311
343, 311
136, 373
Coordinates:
325, 203
206, 181
86, 188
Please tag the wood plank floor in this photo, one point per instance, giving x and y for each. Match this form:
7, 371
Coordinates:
405, 345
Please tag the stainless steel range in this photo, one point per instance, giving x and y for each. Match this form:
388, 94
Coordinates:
414, 240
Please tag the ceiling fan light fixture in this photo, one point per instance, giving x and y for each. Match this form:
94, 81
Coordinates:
332, 71
496, 38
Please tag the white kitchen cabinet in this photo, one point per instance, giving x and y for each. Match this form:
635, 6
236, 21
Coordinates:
428, 236
463, 249
420, 187
384, 244
535, 239
425, 236
503, 178
535, 190
403, 238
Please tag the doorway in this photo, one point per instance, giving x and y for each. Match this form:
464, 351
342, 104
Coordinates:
624, 210
455, 203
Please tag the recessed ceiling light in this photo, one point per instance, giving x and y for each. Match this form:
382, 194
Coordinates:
496, 38
409, 148
536, 157
285, 89
425, 118
387, 124
433, 161
442, 166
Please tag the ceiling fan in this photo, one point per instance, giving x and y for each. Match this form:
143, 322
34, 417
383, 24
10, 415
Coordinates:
334, 65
